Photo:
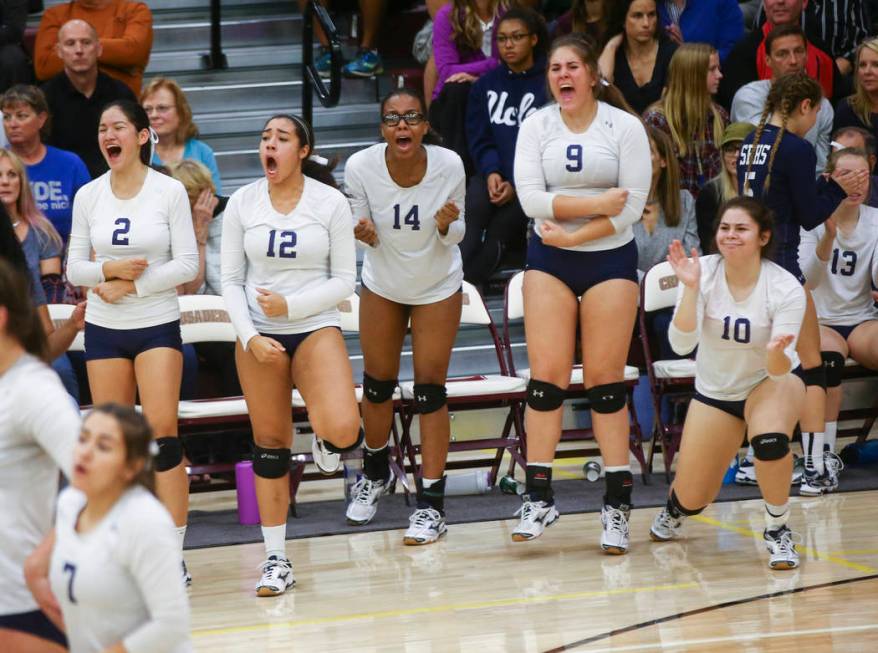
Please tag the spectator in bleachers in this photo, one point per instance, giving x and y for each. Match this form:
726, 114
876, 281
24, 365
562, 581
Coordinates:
124, 28
587, 17
498, 102
368, 61
860, 139
15, 67
55, 175
170, 116
688, 114
747, 61
723, 187
637, 56
464, 48
861, 108
77, 95
785, 53
718, 22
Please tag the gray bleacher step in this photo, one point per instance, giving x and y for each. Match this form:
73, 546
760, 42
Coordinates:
250, 122
254, 30
241, 57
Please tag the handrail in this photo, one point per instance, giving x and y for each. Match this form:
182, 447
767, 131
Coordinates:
216, 59
311, 81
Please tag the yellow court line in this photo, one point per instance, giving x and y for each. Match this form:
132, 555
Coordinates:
855, 552
828, 557
454, 607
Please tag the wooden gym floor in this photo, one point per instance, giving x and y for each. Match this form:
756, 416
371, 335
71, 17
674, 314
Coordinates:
476, 590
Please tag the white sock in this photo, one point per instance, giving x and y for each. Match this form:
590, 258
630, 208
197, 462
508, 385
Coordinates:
429, 482
181, 535
829, 437
275, 538
377, 449
547, 465
618, 468
776, 516
812, 445
750, 455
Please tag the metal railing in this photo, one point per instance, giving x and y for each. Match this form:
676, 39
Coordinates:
311, 80
216, 58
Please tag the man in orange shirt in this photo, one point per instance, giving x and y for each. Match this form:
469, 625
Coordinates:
125, 31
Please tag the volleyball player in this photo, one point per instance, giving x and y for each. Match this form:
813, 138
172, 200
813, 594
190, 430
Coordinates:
112, 562
288, 259
407, 195
581, 164
743, 312
839, 261
39, 424
138, 224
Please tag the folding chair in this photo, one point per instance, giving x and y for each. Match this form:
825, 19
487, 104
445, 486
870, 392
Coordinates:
514, 311
670, 379
476, 392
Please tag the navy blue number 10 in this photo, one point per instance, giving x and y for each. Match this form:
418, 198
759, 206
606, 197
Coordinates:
741, 329
574, 158
285, 242
120, 235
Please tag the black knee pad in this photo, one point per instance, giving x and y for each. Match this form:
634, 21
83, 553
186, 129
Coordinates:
271, 463
377, 392
170, 453
429, 397
814, 376
770, 446
356, 445
682, 509
607, 398
833, 365
544, 396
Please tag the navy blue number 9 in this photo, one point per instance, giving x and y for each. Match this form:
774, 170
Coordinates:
741, 329
70, 567
120, 235
574, 158
286, 246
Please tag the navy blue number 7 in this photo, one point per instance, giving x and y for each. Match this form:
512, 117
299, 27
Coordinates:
574, 158
287, 244
120, 235
70, 567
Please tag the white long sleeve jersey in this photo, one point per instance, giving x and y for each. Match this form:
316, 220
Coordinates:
120, 582
39, 426
842, 285
732, 335
308, 256
155, 224
551, 160
412, 263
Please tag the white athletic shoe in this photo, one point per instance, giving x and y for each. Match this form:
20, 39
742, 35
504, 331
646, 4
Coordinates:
746, 474
187, 577
614, 539
833, 465
364, 499
665, 527
327, 462
536, 516
781, 546
277, 577
426, 526
813, 483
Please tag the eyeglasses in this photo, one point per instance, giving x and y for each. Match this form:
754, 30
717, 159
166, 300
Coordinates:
518, 37
159, 108
412, 118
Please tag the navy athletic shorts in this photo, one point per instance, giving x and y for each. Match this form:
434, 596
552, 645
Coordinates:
581, 271
101, 342
733, 408
292, 341
844, 330
34, 623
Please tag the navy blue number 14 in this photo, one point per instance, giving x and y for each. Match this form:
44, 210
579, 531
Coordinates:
284, 242
411, 218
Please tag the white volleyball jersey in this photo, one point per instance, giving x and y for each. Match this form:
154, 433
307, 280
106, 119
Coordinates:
551, 160
308, 256
39, 426
412, 263
842, 285
731, 335
155, 224
120, 581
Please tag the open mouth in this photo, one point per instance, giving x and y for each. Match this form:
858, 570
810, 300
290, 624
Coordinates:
566, 90
114, 152
403, 142
270, 164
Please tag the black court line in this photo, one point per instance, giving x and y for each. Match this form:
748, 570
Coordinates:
709, 608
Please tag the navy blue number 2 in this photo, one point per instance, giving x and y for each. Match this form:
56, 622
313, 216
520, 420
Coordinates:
741, 329
120, 235
287, 244
70, 567
847, 266
411, 218
574, 158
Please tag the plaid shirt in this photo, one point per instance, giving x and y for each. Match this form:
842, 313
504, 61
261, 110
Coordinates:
839, 25
703, 160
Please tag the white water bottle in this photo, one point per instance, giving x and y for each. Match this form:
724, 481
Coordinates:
471, 482
353, 471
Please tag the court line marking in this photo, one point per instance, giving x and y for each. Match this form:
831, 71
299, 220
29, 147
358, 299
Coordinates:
454, 607
827, 557
705, 609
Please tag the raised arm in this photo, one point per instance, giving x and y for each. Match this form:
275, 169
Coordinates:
685, 328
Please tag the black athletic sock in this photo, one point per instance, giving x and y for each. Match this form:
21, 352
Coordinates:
433, 496
619, 486
538, 483
376, 464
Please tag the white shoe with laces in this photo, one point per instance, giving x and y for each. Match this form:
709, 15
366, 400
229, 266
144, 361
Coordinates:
536, 516
614, 539
781, 545
364, 499
187, 577
327, 462
277, 577
426, 525
665, 527
833, 465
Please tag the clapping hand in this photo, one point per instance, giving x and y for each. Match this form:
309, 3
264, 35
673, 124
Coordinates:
688, 270
779, 343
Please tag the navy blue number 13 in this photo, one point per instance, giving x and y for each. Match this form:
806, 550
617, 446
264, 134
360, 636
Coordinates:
574, 158
286, 244
120, 235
